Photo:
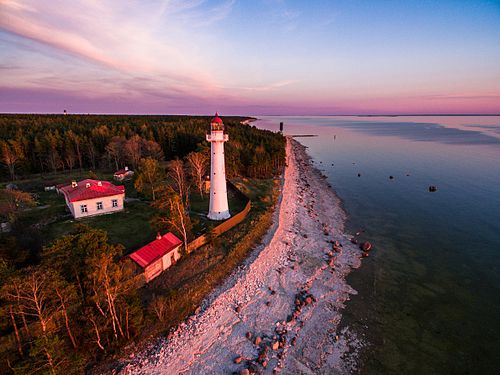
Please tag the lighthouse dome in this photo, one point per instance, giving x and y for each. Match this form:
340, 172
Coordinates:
217, 123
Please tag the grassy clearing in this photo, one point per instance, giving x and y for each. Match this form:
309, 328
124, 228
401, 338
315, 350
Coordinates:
130, 227
199, 209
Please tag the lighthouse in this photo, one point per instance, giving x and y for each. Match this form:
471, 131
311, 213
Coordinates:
219, 208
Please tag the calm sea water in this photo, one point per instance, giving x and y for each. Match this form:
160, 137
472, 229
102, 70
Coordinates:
429, 294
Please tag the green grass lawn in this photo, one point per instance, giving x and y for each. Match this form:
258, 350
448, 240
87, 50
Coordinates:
199, 209
259, 191
130, 227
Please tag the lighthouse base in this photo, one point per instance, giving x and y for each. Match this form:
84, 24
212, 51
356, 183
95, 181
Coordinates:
219, 215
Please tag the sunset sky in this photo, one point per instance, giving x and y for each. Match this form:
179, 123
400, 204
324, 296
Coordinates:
250, 57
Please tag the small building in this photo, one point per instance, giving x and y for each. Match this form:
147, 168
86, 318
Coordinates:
92, 197
206, 185
123, 174
157, 256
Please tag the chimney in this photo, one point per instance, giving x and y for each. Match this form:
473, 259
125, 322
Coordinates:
126, 168
87, 185
74, 184
158, 236
99, 183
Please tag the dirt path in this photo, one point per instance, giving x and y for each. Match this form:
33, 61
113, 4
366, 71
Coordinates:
289, 294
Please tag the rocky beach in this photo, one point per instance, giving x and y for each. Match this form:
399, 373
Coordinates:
279, 312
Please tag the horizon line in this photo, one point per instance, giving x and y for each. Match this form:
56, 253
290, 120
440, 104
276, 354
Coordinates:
240, 115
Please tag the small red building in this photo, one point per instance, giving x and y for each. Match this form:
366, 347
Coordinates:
123, 174
157, 256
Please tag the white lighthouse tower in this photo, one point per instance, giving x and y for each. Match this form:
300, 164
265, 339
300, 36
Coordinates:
219, 209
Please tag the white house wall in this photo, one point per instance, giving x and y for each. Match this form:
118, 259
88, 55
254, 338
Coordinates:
92, 206
167, 258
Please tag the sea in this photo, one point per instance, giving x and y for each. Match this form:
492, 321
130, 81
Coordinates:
428, 297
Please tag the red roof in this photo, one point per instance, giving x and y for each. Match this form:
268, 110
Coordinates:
122, 171
216, 119
96, 189
155, 250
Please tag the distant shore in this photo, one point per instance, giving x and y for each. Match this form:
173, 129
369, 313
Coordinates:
258, 302
248, 121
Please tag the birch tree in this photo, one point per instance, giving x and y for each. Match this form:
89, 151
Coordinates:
177, 174
173, 215
198, 163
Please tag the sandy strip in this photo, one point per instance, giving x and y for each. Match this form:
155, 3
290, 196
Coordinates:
261, 297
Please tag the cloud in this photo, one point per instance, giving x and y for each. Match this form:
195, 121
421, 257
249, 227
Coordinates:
267, 87
130, 39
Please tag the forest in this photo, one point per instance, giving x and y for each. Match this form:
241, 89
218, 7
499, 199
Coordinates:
51, 143
73, 302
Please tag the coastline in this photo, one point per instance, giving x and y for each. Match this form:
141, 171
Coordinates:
260, 296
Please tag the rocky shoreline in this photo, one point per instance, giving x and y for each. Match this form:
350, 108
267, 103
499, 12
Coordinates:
280, 311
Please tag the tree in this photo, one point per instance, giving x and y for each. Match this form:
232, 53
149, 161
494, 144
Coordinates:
151, 149
67, 300
69, 156
133, 150
159, 306
198, 163
107, 296
115, 150
91, 152
68, 253
52, 142
176, 173
149, 177
12, 201
173, 215
109, 283
30, 294
12, 154
77, 144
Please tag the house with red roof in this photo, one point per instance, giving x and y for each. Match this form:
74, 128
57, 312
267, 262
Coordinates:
157, 256
92, 197
123, 174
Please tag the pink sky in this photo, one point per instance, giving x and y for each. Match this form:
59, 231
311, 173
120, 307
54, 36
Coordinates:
263, 57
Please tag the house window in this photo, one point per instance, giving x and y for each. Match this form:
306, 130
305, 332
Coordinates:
99, 205
114, 202
83, 208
